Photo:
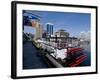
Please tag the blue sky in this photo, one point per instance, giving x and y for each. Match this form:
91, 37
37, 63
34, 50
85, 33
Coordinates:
74, 23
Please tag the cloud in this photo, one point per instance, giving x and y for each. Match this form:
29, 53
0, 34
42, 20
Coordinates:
85, 35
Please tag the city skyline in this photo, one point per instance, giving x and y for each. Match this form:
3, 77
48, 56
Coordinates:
74, 23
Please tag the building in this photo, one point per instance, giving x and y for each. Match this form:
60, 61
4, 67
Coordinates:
49, 28
37, 25
62, 33
39, 31
33, 20
44, 35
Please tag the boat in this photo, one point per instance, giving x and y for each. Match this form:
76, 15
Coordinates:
68, 56
75, 57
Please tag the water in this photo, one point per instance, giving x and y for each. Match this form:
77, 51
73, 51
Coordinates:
87, 50
30, 58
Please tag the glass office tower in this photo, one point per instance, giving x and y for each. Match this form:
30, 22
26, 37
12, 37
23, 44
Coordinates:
49, 28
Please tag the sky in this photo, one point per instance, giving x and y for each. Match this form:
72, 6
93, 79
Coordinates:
74, 23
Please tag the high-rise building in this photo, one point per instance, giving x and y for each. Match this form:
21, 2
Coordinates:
49, 28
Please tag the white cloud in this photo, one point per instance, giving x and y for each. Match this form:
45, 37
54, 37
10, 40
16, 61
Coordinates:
85, 35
